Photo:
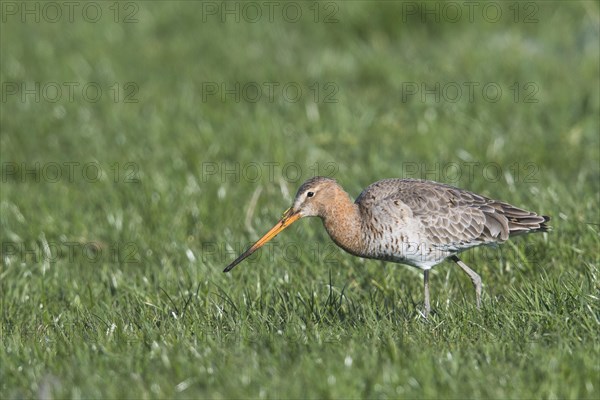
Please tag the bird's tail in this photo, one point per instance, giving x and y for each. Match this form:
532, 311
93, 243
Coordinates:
504, 220
522, 221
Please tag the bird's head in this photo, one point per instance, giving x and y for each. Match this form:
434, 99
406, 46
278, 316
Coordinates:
313, 197
311, 200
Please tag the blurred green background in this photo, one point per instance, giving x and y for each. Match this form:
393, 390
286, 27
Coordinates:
144, 144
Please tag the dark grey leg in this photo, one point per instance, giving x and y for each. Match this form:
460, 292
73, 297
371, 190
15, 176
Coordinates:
426, 287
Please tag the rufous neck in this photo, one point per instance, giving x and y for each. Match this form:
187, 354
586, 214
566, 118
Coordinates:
342, 220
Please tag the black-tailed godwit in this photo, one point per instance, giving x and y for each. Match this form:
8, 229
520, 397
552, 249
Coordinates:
414, 222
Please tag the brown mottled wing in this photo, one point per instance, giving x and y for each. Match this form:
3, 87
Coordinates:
452, 218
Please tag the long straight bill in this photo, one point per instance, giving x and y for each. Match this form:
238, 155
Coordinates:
287, 219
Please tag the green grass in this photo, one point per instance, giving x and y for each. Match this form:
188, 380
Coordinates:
112, 287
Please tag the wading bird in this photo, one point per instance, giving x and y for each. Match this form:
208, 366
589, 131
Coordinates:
408, 221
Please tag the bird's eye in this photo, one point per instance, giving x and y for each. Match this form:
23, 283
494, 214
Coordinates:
310, 194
